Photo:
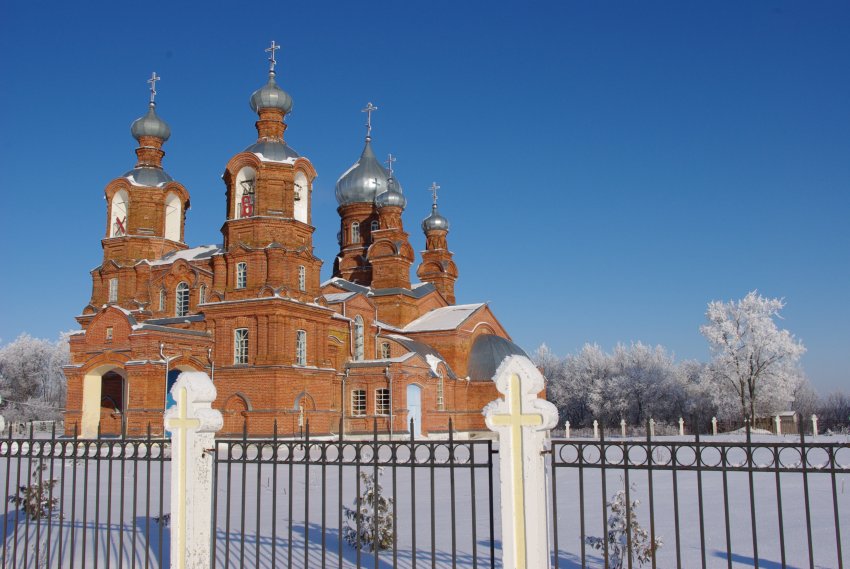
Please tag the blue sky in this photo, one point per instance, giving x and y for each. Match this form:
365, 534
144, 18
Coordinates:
608, 167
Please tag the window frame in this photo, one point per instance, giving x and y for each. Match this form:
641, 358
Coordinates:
383, 403
302, 278
112, 293
358, 402
375, 225
240, 346
355, 232
441, 394
301, 348
181, 300
359, 339
202, 294
241, 275
163, 300
386, 350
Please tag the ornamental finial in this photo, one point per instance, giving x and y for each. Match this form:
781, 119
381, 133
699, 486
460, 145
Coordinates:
154, 78
433, 189
389, 163
272, 62
369, 109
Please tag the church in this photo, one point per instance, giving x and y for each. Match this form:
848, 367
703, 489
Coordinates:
285, 350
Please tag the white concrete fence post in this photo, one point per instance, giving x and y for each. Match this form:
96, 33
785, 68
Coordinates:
652, 427
814, 425
193, 424
681, 427
714, 426
522, 421
623, 427
595, 429
567, 429
778, 422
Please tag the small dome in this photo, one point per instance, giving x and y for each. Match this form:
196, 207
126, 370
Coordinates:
392, 196
487, 354
148, 177
270, 96
150, 125
435, 221
364, 180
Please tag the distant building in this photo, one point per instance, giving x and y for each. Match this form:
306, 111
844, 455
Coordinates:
281, 346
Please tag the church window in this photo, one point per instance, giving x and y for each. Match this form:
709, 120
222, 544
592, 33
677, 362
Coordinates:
382, 401
301, 196
301, 348
440, 394
118, 215
358, 402
359, 339
173, 217
202, 294
240, 346
355, 232
113, 290
375, 225
302, 278
241, 275
182, 300
385, 350
243, 205
162, 300
109, 334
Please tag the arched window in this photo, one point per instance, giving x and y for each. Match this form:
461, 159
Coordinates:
202, 294
243, 193
359, 340
302, 278
240, 346
113, 290
118, 214
162, 300
301, 195
241, 275
441, 404
173, 216
375, 225
301, 348
385, 350
355, 232
181, 300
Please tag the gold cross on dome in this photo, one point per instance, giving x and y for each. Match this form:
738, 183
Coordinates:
154, 78
516, 420
369, 109
433, 189
182, 423
271, 49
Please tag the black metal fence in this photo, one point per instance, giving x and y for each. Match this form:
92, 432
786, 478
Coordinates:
72, 502
354, 503
699, 502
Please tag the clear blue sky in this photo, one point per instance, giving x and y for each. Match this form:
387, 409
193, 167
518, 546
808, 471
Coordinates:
608, 167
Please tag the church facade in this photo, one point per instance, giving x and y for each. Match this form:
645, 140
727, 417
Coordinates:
284, 349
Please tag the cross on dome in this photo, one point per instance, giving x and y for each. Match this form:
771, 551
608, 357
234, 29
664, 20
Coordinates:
390, 160
369, 109
433, 189
271, 49
154, 78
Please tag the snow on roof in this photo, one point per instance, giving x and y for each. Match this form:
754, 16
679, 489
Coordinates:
193, 254
339, 296
444, 318
369, 363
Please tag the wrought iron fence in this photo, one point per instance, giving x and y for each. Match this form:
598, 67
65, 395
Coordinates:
72, 502
711, 501
307, 502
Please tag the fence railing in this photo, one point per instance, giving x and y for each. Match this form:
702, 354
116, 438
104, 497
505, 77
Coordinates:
72, 502
709, 501
316, 503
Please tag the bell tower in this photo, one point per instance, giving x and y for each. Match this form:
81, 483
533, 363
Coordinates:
268, 212
437, 266
145, 216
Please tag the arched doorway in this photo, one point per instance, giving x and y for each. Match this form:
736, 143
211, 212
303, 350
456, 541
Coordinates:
414, 409
235, 414
104, 401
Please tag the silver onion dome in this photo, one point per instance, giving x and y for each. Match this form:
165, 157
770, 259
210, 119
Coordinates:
150, 125
364, 180
392, 196
270, 96
435, 221
148, 177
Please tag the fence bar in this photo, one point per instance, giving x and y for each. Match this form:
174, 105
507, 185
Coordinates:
753, 525
805, 460
779, 504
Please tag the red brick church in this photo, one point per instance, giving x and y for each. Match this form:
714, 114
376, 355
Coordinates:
252, 312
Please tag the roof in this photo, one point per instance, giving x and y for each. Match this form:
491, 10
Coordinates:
176, 320
487, 354
335, 297
417, 290
444, 318
193, 254
429, 354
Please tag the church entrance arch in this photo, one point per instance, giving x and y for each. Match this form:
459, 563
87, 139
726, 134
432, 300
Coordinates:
104, 401
414, 409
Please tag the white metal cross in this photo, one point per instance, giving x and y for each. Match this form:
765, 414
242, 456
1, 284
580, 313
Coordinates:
433, 189
154, 78
271, 49
390, 160
181, 424
369, 109
516, 420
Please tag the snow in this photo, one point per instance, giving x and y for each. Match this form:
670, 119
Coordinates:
264, 158
193, 254
444, 318
433, 361
339, 296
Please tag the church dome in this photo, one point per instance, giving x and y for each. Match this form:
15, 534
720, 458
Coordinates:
150, 125
270, 96
148, 177
364, 180
487, 354
392, 196
435, 221
273, 151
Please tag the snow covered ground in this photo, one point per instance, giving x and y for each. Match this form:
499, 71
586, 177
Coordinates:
118, 528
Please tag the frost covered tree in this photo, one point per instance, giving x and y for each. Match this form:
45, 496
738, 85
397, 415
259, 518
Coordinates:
621, 525
751, 355
369, 524
31, 379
